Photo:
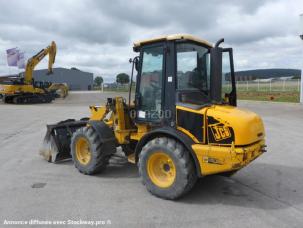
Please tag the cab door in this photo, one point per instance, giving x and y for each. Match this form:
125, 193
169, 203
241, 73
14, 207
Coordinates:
149, 93
229, 92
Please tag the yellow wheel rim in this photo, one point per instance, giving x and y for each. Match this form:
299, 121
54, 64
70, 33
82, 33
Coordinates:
83, 153
161, 169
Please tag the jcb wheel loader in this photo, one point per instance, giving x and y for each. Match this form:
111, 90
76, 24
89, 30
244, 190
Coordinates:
183, 124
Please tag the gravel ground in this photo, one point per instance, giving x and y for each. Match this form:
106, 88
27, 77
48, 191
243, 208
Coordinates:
267, 193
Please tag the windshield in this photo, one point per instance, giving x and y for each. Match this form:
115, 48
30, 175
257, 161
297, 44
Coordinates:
193, 73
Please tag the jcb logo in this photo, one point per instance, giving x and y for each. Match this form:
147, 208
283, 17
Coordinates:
220, 132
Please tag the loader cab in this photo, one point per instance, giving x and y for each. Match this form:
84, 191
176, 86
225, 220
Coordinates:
181, 70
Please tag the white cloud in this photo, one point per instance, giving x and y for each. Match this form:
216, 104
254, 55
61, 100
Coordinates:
97, 36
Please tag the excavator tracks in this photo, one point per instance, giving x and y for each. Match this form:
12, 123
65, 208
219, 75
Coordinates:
29, 98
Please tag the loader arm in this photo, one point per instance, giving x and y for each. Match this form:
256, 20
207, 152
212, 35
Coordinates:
51, 50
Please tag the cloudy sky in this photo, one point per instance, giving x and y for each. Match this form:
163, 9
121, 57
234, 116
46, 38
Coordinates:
97, 36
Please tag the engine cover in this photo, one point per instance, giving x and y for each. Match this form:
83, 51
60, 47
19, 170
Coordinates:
228, 124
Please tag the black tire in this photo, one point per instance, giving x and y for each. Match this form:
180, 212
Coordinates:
99, 157
186, 175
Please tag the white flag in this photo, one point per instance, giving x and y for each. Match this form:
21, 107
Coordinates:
12, 56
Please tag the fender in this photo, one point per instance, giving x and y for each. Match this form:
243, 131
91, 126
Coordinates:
171, 133
105, 133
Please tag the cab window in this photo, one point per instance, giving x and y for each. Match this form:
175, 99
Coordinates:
150, 90
193, 73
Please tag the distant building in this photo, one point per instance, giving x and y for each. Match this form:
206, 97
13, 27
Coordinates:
250, 75
75, 79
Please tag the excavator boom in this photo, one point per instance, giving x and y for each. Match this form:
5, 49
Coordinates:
51, 50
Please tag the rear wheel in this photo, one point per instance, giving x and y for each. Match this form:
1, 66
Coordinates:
88, 151
166, 168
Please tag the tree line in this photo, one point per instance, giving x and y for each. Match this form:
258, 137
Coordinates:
121, 78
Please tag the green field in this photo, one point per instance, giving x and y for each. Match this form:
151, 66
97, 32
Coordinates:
275, 91
287, 96
280, 91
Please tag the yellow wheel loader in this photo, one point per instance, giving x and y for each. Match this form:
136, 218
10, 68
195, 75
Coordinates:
182, 125
25, 90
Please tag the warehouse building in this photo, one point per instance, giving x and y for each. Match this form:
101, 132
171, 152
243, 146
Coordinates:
250, 75
75, 79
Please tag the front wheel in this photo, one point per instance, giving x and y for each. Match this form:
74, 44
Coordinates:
89, 153
166, 168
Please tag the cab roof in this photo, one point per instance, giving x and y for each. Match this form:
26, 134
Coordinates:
139, 43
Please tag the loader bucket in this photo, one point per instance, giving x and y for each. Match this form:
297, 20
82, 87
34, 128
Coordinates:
56, 143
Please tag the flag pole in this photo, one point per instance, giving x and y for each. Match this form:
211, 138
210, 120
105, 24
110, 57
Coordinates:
301, 36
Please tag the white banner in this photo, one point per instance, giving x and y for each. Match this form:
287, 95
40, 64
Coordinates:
12, 56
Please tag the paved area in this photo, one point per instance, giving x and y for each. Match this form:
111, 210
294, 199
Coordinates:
267, 193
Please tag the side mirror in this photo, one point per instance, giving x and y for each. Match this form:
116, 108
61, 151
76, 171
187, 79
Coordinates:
136, 62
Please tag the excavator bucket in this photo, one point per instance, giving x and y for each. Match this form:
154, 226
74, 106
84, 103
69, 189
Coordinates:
56, 143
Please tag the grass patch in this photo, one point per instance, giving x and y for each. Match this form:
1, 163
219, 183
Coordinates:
289, 96
283, 96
